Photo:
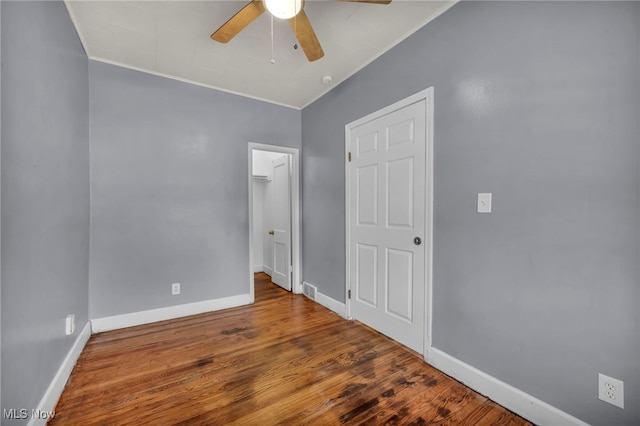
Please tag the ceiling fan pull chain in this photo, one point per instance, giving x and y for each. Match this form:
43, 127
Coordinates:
273, 61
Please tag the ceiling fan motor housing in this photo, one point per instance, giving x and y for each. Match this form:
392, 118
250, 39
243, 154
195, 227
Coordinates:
284, 9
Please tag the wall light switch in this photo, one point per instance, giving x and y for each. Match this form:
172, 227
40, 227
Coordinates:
70, 324
484, 202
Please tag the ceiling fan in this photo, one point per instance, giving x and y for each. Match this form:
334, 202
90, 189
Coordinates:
291, 10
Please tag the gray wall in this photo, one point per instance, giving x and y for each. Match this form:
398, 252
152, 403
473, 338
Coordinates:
45, 195
0, 207
169, 193
539, 104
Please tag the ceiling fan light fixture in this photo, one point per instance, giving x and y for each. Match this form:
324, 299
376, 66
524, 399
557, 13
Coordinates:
284, 9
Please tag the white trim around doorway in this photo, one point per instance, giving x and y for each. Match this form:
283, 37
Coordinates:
296, 241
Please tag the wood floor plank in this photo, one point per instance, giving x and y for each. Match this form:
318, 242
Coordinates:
283, 360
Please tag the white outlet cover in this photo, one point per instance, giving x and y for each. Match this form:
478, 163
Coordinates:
611, 390
175, 289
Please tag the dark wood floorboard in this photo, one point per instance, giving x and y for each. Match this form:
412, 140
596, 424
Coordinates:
283, 360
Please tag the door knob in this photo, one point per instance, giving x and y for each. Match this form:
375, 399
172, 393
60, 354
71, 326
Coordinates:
271, 232
417, 241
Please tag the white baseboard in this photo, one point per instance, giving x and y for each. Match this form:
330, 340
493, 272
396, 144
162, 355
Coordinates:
258, 268
331, 304
50, 399
160, 314
527, 406
267, 270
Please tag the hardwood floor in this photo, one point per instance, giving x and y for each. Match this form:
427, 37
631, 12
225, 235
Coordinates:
283, 360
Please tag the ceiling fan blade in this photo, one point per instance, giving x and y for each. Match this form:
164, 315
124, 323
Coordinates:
369, 1
306, 36
239, 21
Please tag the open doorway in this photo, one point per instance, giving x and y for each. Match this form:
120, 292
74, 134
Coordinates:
274, 215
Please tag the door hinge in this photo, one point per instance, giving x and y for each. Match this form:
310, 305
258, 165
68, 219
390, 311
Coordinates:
348, 294
349, 156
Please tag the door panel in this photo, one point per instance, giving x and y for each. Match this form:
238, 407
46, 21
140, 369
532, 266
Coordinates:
280, 258
367, 195
400, 283
400, 133
387, 203
281, 221
400, 193
367, 144
367, 289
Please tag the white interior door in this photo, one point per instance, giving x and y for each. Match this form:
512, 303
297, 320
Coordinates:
281, 221
387, 205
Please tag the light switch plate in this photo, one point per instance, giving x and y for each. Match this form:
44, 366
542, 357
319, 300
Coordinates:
70, 325
484, 202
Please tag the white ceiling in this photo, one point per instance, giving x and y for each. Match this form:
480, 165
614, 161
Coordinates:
172, 39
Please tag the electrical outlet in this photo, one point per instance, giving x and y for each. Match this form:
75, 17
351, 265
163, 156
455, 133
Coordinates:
70, 324
611, 390
175, 289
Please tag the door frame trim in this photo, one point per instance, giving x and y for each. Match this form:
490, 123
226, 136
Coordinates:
296, 242
427, 95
